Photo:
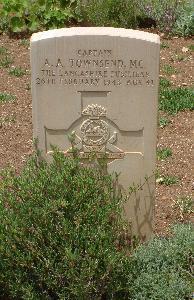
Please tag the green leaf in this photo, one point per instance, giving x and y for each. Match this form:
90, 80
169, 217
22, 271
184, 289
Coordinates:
41, 2
33, 25
17, 24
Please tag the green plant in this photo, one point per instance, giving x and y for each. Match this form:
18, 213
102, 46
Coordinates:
7, 120
163, 122
62, 237
180, 57
165, 13
184, 25
6, 61
167, 179
25, 42
17, 71
4, 97
162, 269
164, 153
169, 70
185, 204
61, 229
28, 87
24, 15
173, 100
164, 83
191, 47
117, 13
3, 50
164, 45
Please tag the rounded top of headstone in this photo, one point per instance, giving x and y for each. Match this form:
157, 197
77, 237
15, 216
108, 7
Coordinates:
96, 31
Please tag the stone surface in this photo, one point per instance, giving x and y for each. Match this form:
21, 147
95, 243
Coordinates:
101, 84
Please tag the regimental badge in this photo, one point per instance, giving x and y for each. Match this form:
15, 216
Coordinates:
95, 134
95, 131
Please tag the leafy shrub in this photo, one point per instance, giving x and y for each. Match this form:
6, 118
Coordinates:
26, 15
184, 25
61, 231
117, 13
163, 268
165, 13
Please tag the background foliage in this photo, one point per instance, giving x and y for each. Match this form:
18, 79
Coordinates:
169, 15
34, 15
116, 13
184, 25
29, 15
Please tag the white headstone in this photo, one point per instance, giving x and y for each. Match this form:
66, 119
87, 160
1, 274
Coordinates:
102, 85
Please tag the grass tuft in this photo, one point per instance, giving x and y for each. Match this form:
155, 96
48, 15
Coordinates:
163, 154
6, 61
185, 204
17, 71
169, 70
7, 120
3, 50
163, 122
4, 97
164, 45
167, 180
173, 100
25, 42
191, 47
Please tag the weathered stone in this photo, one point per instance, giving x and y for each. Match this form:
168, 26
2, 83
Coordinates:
101, 84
